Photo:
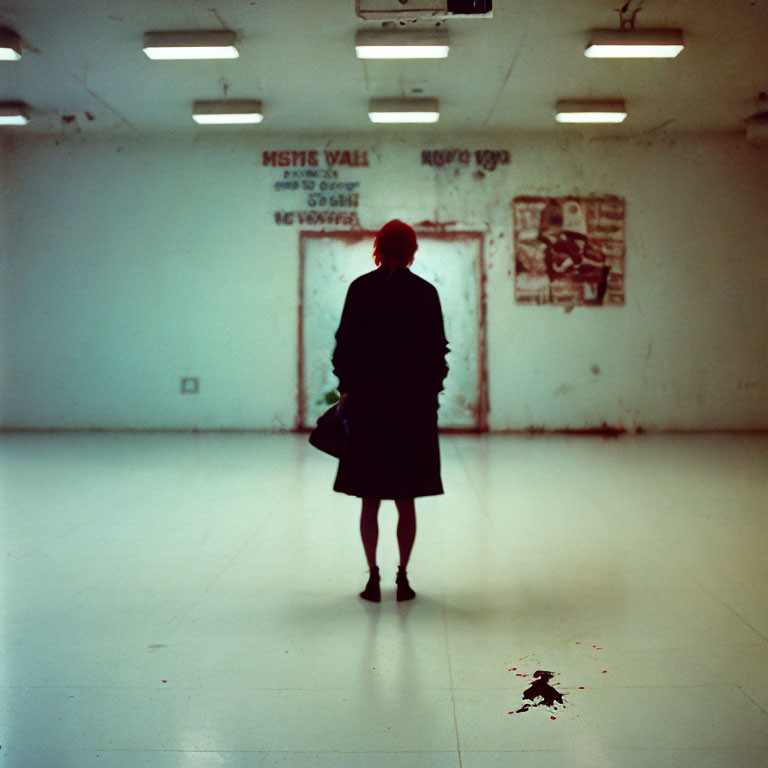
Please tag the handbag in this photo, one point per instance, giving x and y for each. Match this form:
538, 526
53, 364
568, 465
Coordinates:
332, 433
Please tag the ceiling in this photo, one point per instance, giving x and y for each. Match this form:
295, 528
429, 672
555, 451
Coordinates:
84, 70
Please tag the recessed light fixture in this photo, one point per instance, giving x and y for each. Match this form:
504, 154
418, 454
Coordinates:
13, 113
409, 44
231, 112
635, 43
190, 45
590, 111
404, 111
10, 45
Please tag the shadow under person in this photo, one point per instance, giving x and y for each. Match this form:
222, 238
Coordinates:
390, 362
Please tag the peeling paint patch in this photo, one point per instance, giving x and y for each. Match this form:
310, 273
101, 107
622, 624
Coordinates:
440, 227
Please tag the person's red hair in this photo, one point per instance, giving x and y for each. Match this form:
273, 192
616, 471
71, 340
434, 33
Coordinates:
395, 245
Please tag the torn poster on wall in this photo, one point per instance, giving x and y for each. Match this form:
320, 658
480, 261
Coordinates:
326, 197
569, 250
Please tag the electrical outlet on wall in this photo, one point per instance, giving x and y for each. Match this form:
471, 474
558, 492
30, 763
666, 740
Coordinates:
190, 386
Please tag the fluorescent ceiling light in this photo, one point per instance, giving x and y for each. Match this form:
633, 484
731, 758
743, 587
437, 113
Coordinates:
13, 113
590, 112
10, 45
243, 111
409, 44
404, 111
635, 43
404, 117
190, 45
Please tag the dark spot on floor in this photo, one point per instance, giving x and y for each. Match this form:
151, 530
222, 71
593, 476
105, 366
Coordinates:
541, 693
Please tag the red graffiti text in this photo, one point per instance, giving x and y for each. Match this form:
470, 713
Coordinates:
301, 158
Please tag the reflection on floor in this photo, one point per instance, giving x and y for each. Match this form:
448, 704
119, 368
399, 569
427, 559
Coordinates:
191, 600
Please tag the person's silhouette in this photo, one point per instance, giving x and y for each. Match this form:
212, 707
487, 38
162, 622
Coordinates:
390, 362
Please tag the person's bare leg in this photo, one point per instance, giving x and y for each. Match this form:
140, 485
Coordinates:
369, 532
369, 529
406, 529
406, 534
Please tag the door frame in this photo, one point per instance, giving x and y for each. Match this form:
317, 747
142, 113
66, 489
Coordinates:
355, 236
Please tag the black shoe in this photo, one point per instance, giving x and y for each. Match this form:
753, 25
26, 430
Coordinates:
404, 591
372, 589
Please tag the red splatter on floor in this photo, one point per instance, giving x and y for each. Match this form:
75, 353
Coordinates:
552, 717
604, 671
165, 681
581, 687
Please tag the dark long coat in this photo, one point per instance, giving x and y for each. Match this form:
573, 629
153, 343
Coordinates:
390, 360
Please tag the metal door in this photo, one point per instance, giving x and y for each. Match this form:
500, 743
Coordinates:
452, 262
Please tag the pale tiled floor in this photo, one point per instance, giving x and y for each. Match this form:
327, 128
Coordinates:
191, 600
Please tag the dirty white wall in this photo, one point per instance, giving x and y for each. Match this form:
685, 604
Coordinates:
127, 264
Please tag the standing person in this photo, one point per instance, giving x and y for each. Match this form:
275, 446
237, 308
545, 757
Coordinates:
390, 362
